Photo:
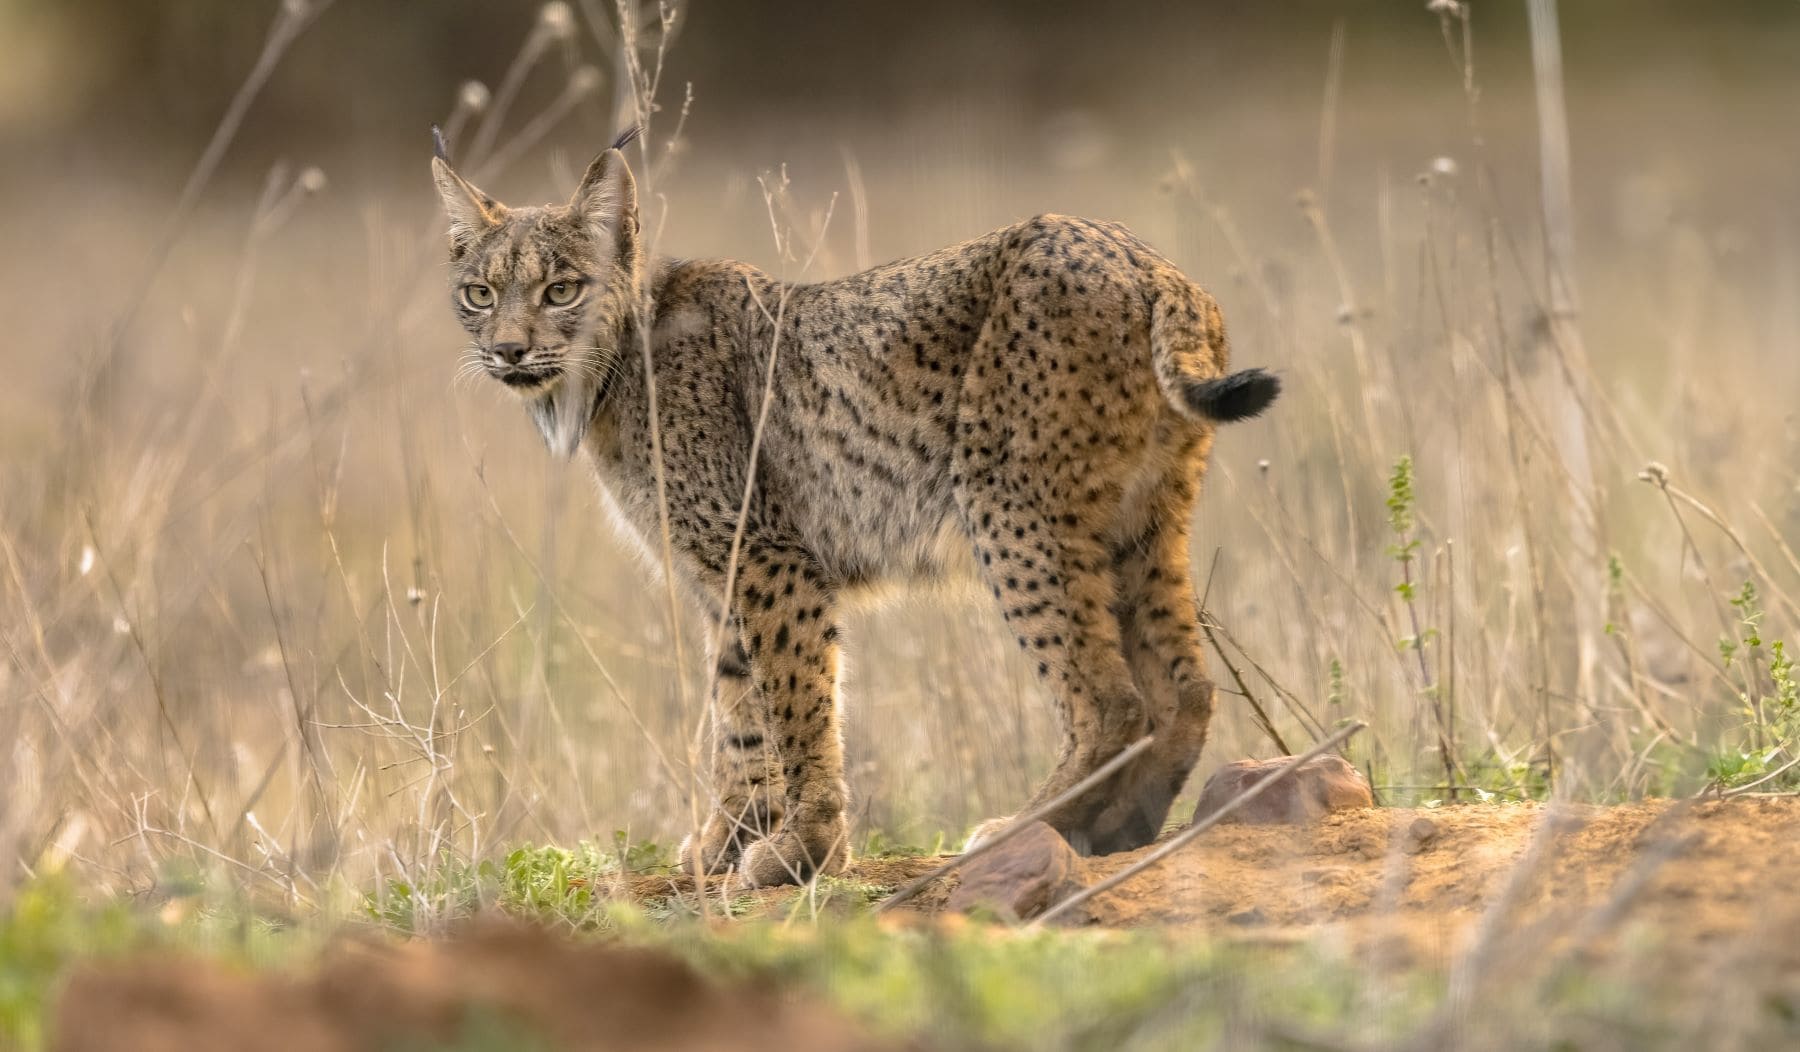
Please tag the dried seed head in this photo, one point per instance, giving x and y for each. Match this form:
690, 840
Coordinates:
557, 19
312, 180
1443, 165
1450, 8
474, 96
584, 81
1655, 473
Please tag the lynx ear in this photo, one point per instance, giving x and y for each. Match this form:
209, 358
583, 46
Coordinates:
470, 210
607, 196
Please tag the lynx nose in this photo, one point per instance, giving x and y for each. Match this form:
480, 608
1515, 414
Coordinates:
510, 353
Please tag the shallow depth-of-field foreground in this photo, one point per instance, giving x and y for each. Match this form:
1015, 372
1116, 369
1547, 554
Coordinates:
307, 648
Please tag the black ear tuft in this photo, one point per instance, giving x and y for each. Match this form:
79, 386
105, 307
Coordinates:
439, 148
1238, 396
627, 136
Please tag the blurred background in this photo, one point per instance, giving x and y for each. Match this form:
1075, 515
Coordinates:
277, 590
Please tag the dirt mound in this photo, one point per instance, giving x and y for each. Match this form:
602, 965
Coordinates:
1701, 874
519, 987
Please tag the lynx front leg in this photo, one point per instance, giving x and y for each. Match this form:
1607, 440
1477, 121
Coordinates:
745, 778
787, 614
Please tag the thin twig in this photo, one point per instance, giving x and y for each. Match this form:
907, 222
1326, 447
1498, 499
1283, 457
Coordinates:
1257, 712
1295, 705
1260, 714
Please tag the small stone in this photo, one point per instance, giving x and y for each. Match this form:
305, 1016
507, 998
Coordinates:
1419, 835
1021, 878
1250, 918
1321, 785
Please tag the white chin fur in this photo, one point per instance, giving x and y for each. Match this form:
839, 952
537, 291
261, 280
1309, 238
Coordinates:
564, 412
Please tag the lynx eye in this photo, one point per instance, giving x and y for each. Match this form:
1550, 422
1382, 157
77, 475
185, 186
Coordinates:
477, 297
561, 293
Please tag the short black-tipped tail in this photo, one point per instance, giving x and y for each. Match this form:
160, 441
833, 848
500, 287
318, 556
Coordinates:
1238, 396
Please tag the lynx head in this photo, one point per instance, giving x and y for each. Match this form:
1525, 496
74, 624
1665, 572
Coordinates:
545, 291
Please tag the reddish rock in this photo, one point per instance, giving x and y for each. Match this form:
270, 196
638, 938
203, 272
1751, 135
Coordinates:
1021, 878
1323, 784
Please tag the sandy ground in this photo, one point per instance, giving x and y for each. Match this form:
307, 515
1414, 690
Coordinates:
1682, 884
1696, 875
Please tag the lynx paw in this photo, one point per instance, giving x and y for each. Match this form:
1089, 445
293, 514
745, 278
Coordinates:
796, 854
728, 830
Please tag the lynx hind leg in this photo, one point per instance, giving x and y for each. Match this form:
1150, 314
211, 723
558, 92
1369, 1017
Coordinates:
1158, 618
787, 612
1053, 580
744, 777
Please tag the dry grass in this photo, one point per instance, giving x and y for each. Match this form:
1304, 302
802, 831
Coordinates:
283, 601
